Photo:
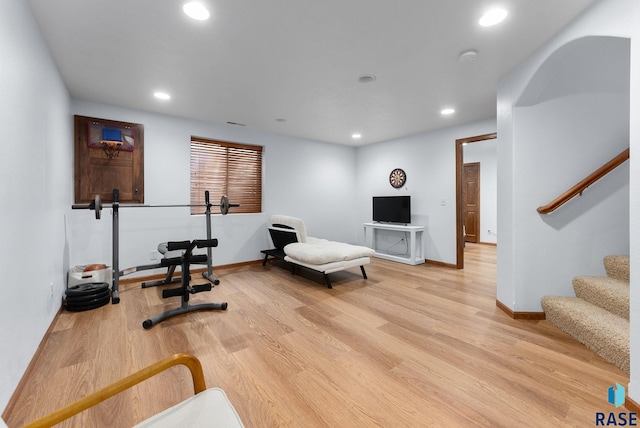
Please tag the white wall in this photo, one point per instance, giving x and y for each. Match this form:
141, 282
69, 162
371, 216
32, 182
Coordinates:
486, 153
634, 385
36, 177
549, 160
530, 245
303, 178
429, 161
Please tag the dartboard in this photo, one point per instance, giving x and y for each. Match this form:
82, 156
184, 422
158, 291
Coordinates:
397, 178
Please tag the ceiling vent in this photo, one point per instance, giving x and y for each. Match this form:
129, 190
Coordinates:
366, 78
468, 56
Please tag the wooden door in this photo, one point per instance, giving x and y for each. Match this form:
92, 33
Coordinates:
471, 200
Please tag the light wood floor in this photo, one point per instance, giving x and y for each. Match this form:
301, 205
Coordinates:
412, 346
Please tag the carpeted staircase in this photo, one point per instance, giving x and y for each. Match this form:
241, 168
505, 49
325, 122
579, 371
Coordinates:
598, 316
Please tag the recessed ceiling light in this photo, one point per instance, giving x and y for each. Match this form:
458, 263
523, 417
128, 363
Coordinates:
162, 95
280, 119
366, 78
493, 17
196, 10
447, 111
356, 136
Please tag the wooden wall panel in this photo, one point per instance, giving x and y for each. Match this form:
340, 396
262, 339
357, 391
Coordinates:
98, 173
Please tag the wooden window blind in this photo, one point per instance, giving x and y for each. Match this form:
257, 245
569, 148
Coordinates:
228, 169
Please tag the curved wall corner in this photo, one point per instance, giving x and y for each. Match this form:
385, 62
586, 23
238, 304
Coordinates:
591, 64
571, 117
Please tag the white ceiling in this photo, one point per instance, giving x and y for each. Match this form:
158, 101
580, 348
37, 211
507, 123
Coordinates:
257, 62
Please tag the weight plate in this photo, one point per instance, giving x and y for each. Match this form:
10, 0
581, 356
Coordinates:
96, 303
89, 286
86, 288
88, 297
86, 301
88, 293
224, 205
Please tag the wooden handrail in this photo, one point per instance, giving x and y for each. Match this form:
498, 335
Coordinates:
588, 181
115, 388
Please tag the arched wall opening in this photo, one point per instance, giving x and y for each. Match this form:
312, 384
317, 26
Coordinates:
571, 118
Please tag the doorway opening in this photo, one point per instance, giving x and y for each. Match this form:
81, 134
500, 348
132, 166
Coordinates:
460, 211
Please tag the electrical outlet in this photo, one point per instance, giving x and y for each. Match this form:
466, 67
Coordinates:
51, 290
153, 255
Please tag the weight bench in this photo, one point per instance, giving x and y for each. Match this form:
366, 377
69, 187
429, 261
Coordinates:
185, 260
292, 245
171, 269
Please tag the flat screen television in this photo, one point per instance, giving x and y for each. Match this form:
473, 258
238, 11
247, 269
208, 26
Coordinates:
392, 209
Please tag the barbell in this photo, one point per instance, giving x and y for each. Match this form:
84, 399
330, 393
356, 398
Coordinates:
96, 205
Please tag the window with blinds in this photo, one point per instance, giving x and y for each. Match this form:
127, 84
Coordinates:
228, 169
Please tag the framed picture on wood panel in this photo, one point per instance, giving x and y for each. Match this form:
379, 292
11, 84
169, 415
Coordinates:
108, 154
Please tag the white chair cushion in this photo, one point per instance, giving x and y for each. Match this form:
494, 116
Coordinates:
294, 222
210, 408
326, 252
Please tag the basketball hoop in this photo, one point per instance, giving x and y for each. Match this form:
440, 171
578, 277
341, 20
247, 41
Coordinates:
111, 148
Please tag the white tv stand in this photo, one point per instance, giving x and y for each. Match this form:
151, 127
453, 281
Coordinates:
416, 241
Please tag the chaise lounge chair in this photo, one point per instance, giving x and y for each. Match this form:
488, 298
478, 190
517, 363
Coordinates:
293, 245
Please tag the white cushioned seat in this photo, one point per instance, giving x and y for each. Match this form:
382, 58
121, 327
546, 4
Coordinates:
325, 252
209, 408
292, 222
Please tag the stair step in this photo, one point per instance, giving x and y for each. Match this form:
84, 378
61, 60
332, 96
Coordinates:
617, 267
598, 329
605, 292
